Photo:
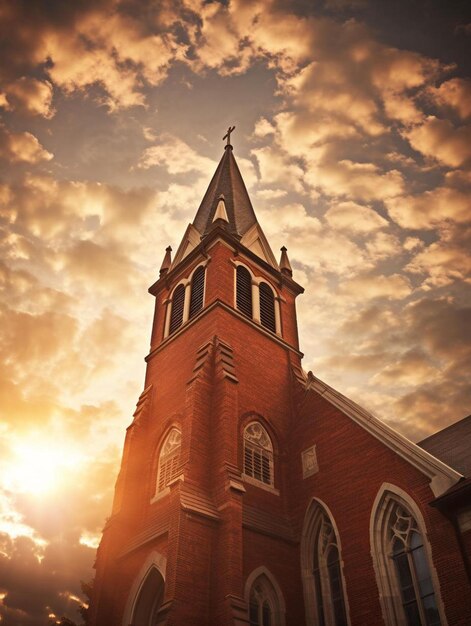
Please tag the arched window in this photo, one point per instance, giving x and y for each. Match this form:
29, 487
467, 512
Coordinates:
321, 569
267, 307
244, 291
260, 611
257, 300
169, 459
403, 565
178, 302
149, 599
266, 607
258, 453
197, 291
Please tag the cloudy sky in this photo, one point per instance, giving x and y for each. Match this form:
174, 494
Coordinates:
353, 137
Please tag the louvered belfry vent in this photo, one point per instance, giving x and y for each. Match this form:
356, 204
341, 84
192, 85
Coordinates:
267, 307
197, 291
244, 291
178, 301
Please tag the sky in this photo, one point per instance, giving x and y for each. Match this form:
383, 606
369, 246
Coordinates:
353, 136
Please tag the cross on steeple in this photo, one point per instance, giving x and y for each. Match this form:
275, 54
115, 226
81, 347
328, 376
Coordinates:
228, 135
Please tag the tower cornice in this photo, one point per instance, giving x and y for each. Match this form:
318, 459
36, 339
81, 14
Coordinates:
218, 303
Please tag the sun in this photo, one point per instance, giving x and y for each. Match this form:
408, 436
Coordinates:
37, 467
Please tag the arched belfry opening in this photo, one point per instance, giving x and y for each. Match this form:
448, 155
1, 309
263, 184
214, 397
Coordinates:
149, 599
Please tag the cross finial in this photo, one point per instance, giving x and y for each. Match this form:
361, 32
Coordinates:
228, 135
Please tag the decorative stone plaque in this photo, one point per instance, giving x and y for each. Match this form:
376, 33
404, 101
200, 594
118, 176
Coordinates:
309, 459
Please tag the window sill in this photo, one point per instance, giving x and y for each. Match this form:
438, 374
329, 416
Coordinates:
166, 491
160, 495
258, 483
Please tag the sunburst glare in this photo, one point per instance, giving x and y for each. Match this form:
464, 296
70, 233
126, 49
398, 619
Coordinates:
36, 467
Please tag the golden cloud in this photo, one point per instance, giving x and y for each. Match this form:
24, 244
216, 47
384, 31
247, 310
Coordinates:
383, 246
430, 208
445, 261
372, 286
263, 128
362, 181
454, 93
276, 168
176, 157
402, 108
30, 96
412, 369
439, 139
354, 217
22, 147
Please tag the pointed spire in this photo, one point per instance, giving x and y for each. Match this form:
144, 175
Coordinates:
226, 182
167, 262
221, 213
285, 265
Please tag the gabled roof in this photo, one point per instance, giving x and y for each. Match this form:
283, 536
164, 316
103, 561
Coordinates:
441, 476
254, 239
226, 183
452, 445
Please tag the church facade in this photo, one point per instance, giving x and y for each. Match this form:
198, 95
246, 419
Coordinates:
250, 492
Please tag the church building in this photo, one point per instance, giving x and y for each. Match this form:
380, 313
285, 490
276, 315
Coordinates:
250, 492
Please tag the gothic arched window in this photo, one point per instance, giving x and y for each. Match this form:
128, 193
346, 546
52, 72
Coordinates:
267, 307
197, 291
169, 459
260, 611
265, 605
321, 568
244, 291
403, 565
178, 303
258, 453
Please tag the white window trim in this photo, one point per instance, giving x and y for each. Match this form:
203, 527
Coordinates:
186, 282
279, 612
389, 592
258, 483
251, 479
256, 280
158, 492
154, 560
316, 508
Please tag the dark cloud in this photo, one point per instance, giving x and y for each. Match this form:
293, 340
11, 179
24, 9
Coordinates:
407, 360
443, 326
43, 578
25, 26
38, 582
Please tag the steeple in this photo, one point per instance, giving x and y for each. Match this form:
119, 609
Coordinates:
228, 183
226, 203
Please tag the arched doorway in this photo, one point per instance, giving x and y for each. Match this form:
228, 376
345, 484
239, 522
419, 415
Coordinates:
149, 599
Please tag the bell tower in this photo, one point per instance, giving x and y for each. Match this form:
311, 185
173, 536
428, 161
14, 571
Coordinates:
201, 497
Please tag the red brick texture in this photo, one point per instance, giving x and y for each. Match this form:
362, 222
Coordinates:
212, 533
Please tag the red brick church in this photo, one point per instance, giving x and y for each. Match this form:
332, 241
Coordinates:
252, 493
